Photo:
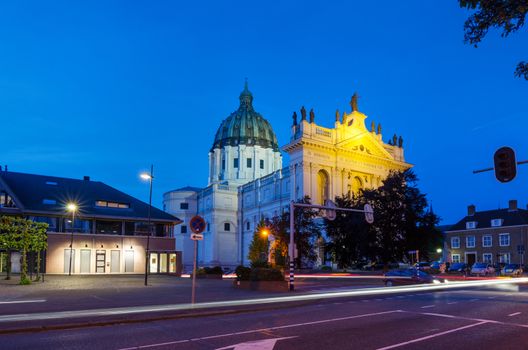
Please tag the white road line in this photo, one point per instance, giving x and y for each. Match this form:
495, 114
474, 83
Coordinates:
431, 336
514, 314
469, 319
427, 306
452, 302
23, 301
261, 330
474, 299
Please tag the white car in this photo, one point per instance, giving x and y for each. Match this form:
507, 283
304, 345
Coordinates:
482, 269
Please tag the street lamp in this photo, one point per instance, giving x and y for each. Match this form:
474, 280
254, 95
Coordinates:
149, 177
72, 208
439, 250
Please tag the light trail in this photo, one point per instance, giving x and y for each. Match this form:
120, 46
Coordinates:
257, 301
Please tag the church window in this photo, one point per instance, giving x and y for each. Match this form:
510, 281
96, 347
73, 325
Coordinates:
184, 206
223, 164
183, 229
323, 186
235, 162
208, 227
248, 162
227, 226
262, 164
248, 226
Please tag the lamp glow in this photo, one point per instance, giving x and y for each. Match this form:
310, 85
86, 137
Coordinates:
145, 176
71, 207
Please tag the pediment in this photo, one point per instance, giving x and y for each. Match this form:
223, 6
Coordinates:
365, 143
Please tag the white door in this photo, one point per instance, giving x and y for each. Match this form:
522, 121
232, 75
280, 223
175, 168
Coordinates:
115, 262
129, 261
86, 255
67, 260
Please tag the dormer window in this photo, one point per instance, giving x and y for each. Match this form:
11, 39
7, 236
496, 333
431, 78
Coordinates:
496, 222
49, 201
109, 204
471, 225
51, 183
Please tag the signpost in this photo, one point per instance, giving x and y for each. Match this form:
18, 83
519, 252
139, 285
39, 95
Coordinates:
197, 225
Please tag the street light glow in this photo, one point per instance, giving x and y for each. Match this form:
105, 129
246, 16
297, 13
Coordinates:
71, 207
145, 176
264, 232
439, 250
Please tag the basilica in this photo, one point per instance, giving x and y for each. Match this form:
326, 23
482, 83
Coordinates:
247, 181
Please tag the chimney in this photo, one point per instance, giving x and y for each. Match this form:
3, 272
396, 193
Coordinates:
512, 205
471, 210
86, 178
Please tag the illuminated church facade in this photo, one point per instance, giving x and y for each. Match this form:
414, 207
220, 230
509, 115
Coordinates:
247, 181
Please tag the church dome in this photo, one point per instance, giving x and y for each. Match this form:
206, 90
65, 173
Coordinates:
245, 127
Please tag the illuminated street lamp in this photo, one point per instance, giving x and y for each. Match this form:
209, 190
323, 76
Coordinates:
72, 208
149, 177
439, 250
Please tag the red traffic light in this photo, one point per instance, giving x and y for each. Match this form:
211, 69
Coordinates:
505, 164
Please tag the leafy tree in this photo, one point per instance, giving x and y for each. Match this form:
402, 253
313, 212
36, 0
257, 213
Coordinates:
348, 233
508, 15
258, 249
24, 235
39, 243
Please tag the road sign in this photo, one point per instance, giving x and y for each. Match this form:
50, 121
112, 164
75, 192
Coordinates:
197, 237
329, 213
197, 224
369, 213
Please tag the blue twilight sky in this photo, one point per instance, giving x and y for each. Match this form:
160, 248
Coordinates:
105, 88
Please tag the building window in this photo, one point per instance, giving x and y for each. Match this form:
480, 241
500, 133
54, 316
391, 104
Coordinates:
6, 201
504, 239
227, 226
49, 201
223, 164
470, 242
455, 258
487, 258
262, 164
496, 222
109, 204
248, 163
505, 258
248, 226
183, 229
471, 225
51, 183
208, 227
455, 242
235, 162
184, 206
486, 241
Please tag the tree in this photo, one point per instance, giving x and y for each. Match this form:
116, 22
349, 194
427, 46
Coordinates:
24, 235
258, 248
39, 243
508, 15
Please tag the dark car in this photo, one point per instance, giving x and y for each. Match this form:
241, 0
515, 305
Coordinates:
408, 276
512, 270
457, 267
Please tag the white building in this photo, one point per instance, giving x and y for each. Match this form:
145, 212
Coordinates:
247, 182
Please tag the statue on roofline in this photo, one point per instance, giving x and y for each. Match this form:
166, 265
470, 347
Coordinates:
312, 115
303, 113
294, 118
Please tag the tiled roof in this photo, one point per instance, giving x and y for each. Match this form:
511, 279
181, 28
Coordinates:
32, 192
483, 218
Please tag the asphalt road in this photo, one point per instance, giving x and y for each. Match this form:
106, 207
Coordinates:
458, 319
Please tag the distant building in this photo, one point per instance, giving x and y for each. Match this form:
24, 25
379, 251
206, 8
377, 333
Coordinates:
490, 236
247, 182
110, 227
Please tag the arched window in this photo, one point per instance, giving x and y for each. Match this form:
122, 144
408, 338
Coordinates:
357, 184
323, 187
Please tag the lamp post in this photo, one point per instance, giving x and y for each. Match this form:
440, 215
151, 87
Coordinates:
72, 208
150, 177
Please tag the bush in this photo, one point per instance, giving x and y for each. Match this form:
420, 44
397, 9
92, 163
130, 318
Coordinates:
243, 273
266, 274
25, 281
326, 268
259, 264
217, 270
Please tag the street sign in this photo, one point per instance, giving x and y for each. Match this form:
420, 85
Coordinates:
329, 213
197, 224
197, 237
369, 213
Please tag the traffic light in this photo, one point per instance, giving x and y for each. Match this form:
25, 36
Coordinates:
505, 164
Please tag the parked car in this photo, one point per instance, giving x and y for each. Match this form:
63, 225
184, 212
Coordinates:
435, 265
409, 276
482, 269
512, 270
457, 267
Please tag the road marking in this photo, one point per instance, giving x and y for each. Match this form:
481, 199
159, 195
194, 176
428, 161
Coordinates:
427, 306
473, 300
431, 336
514, 314
469, 319
491, 297
23, 301
262, 330
265, 344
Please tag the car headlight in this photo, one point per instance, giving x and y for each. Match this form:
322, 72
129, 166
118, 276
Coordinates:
436, 282
446, 281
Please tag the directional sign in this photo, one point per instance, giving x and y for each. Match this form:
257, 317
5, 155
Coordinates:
197, 224
369, 213
196, 237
